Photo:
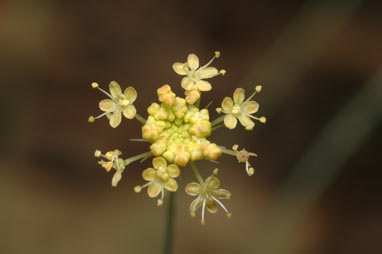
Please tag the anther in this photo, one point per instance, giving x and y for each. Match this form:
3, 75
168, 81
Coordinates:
216, 170
217, 54
251, 171
97, 153
91, 119
258, 88
193, 214
235, 147
94, 85
160, 202
137, 189
203, 222
219, 110
223, 72
263, 119
229, 215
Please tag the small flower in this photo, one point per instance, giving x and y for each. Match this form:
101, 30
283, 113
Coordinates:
243, 157
159, 178
193, 83
240, 109
113, 161
208, 195
118, 104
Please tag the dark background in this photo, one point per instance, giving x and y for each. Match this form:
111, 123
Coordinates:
317, 184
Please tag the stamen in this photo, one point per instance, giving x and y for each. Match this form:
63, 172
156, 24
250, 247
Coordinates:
108, 95
160, 202
222, 72
94, 84
194, 207
215, 172
217, 54
221, 204
137, 189
262, 119
203, 208
91, 119
257, 90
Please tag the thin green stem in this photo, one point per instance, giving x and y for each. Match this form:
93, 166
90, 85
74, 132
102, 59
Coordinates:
217, 127
168, 237
139, 140
228, 151
196, 172
138, 157
218, 120
140, 119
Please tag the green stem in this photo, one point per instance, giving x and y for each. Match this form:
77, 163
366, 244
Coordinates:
217, 127
140, 119
218, 120
196, 172
168, 238
138, 157
228, 151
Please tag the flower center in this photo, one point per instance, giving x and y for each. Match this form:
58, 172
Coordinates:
236, 109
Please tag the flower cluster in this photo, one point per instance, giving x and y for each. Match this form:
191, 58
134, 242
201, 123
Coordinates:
178, 130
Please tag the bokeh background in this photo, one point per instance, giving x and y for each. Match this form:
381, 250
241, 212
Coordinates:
317, 186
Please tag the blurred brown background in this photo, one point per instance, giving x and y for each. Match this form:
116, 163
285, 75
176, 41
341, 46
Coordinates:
317, 185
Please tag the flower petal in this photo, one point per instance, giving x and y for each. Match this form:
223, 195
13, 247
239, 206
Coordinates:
227, 105
212, 183
107, 105
130, 112
239, 96
187, 83
193, 61
171, 185
116, 178
211, 206
160, 163
208, 72
173, 170
250, 107
115, 119
221, 194
115, 89
149, 174
204, 85
246, 121
179, 68
196, 204
230, 121
154, 189
130, 94
193, 189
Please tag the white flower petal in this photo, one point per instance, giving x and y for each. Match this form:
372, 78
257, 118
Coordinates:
115, 89
179, 68
230, 121
115, 119
227, 105
187, 83
129, 112
130, 94
246, 121
208, 72
193, 61
193, 189
154, 189
203, 86
239, 96
250, 107
107, 105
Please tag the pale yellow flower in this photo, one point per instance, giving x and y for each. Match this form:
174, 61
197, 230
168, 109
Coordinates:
208, 196
240, 109
159, 178
194, 82
118, 104
113, 161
